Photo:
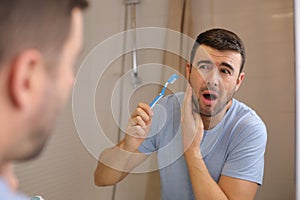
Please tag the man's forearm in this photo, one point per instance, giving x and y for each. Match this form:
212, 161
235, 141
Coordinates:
115, 164
111, 167
204, 186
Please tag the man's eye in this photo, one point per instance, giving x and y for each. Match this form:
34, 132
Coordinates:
226, 71
204, 67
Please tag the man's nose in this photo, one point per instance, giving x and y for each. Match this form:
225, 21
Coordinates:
212, 78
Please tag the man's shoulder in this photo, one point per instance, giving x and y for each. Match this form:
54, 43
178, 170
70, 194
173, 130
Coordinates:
6, 193
243, 111
246, 122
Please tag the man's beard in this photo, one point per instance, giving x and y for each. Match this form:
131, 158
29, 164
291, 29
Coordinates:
197, 107
220, 108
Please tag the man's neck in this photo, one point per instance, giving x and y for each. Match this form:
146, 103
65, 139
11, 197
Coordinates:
211, 122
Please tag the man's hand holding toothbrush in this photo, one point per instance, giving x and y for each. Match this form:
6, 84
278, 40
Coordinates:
138, 127
115, 163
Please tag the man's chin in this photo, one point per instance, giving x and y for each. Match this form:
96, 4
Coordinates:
207, 113
34, 153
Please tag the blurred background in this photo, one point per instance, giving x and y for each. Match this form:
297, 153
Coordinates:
65, 169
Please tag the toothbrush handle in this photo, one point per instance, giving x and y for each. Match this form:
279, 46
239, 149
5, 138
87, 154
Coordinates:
155, 100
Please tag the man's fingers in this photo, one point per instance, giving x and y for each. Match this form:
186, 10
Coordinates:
140, 121
187, 106
146, 108
137, 121
144, 111
198, 123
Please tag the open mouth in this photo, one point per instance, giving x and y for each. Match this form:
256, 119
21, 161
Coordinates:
210, 96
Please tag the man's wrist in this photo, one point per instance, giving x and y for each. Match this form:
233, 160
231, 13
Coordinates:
193, 153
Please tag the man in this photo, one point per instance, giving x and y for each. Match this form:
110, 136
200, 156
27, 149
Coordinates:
222, 141
39, 43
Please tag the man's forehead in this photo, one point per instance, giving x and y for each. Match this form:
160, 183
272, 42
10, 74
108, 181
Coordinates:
206, 53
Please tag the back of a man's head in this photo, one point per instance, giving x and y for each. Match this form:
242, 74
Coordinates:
37, 36
40, 41
40, 24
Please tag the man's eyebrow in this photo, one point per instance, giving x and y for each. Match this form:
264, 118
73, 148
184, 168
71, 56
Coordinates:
204, 62
227, 65
210, 62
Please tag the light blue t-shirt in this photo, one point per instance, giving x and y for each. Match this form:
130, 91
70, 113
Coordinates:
235, 147
7, 194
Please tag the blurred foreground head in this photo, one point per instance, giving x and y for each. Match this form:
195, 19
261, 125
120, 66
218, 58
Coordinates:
39, 43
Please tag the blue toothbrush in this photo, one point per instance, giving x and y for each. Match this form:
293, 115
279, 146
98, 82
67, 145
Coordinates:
171, 80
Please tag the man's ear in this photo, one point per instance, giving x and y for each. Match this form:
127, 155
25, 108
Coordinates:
188, 69
239, 81
25, 78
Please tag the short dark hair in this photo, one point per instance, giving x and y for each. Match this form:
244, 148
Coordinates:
38, 24
221, 40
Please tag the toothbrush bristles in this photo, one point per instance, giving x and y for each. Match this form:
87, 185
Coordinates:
172, 79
